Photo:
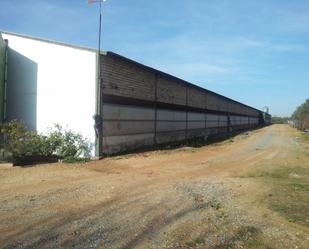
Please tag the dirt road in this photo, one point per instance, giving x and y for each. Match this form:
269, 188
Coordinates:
247, 192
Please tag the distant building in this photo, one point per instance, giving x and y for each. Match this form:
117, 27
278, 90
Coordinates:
44, 82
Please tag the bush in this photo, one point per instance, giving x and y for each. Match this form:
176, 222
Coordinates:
68, 144
20, 143
24, 146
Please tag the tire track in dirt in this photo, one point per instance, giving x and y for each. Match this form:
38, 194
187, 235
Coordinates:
162, 199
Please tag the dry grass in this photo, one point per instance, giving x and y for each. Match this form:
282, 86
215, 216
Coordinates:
289, 192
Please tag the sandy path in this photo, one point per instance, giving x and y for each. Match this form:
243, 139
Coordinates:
161, 199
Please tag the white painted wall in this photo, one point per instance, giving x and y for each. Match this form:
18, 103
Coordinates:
65, 90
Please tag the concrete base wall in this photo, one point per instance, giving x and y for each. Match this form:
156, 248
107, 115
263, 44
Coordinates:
127, 127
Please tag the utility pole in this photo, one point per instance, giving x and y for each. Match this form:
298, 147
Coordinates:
98, 120
100, 20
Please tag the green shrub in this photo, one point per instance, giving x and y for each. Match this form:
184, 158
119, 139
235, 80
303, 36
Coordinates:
19, 142
23, 145
68, 144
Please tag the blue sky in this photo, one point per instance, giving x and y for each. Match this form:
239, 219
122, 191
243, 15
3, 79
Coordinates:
254, 51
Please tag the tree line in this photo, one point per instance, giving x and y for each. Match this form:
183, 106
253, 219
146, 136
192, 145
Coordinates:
279, 120
300, 117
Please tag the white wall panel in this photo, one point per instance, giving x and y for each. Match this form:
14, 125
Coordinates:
64, 86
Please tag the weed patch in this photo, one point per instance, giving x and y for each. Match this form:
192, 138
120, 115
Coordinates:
196, 242
245, 237
290, 192
305, 137
75, 160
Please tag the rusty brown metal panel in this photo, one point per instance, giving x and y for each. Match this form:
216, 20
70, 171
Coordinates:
121, 78
171, 91
196, 98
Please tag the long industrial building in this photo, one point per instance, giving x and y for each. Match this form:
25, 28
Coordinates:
131, 106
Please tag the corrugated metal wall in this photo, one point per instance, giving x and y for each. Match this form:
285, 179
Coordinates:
143, 107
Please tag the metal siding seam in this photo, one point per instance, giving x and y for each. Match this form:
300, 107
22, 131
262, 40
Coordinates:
228, 122
205, 107
186, 133
99, 108
155, 109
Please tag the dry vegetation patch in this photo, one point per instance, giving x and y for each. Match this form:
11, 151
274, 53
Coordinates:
290, 192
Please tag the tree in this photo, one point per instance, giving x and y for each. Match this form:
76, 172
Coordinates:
279, 120
301, 116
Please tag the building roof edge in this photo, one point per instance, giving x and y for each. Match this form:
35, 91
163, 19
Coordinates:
50, 41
